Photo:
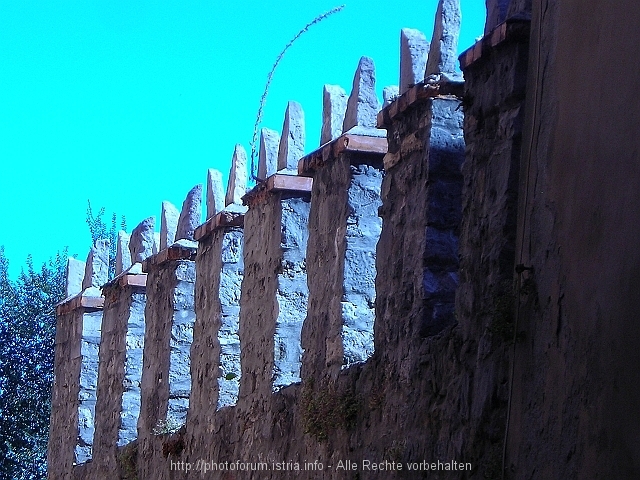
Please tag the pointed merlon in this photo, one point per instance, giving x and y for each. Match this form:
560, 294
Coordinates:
156, 242
334, 106
75, 276
215, 193
237, 186
191, 214
496, 13
96, 272
123, 255
142, 241
390, 94
414, 49
363, 104
292, 141
443, 52
268, 153
168, 224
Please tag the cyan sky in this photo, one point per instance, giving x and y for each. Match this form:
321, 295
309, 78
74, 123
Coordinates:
128, 103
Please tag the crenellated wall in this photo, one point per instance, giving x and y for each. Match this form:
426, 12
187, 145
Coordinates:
391, 301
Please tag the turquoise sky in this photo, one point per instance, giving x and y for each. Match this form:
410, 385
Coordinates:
128, 103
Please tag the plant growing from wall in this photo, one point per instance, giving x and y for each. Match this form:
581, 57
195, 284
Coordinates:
325, 409
98, 229
263, 99
27, 331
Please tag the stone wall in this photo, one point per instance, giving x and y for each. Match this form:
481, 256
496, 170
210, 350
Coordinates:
169, 320
120, 369
71, 432
423, 296
338, 330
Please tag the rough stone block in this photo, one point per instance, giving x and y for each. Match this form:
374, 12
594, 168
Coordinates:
142, 241
168, 224
237, 186
292, 141
75, 276
123, 255
215, 193
363, 104
496, 13
96, 271
389, 94
334, 106
268, 153
191, 214
443, 51
414, 49
156, 242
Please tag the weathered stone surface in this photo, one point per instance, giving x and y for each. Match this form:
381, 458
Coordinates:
414, 49
389, 94
134, 344
292, 141
496, 13
119, 374
74, 276
166, 378
215, 352
272, 306
334, 106
156, 242
73, 398
96, 271
268, 153
168, 224
215, 192
231, 276
292, 293
363, 226
90, 341
344, 228
191, 214
237, 186
443, 51
363, 104
142, 241
123, 255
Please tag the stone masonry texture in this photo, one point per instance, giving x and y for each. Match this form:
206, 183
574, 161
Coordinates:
119, 374
344, 228
531, 376
292, 293
165, 384
90, 341
275, 289
215, 351
69, 385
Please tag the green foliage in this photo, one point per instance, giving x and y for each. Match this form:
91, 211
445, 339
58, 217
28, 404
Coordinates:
98, 229
263, 99
27, 331
128, 461
325, 409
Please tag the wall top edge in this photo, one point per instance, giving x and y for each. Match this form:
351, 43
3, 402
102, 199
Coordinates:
374, 145
290, 184
80, 301
222, 219
514, 29
415, 95
171, 253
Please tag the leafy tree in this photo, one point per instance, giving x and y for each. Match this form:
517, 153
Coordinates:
98, 229
27, 331
27, 341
